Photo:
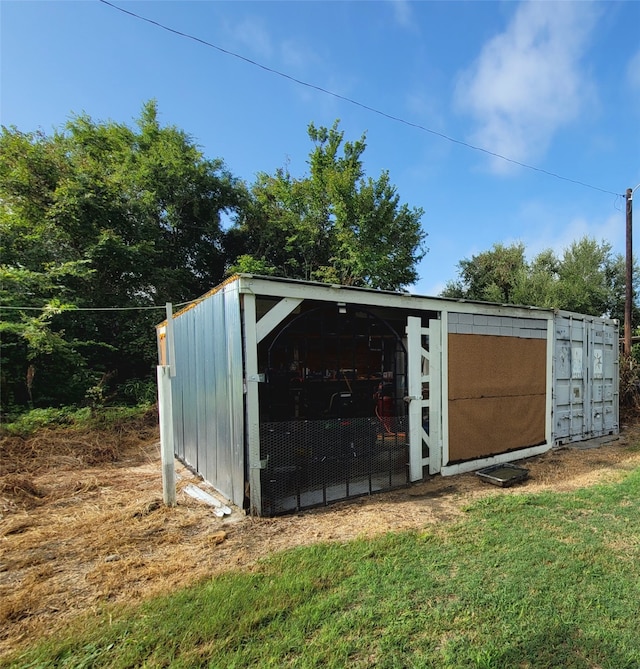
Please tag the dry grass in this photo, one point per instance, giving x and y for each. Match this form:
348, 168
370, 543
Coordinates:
83, 524
74, 448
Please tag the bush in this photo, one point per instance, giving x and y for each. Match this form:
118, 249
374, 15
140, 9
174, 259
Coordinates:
104, 418
139, 391
629, 386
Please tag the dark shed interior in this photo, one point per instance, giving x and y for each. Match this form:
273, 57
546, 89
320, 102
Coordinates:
333, 420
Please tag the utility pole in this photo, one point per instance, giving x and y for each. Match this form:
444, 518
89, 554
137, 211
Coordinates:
629, 275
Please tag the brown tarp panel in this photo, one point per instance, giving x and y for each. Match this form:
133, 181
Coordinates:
497, 394
494, 366
492, 425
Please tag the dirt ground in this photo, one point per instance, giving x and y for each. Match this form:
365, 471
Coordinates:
82, 522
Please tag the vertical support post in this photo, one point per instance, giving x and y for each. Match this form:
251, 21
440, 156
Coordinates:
444, 387
165, 413
628, 301
616, 376
171, 349
549, 389
629, 274
419, 377
252, 402
414, 327
435, 395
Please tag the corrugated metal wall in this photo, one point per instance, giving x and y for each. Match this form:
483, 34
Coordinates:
585, 401
207, 391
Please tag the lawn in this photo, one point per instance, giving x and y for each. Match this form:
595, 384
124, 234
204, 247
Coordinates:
525, 580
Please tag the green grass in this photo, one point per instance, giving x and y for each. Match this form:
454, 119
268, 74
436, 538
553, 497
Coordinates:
546, 580
28, 423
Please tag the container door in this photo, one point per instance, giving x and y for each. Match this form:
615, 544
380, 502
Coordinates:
424, 349
603, 414
585, 379
571, 420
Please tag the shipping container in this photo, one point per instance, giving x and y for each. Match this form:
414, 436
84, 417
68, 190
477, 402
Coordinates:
291, 394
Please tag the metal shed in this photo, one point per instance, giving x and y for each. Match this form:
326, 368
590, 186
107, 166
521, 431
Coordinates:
291, 394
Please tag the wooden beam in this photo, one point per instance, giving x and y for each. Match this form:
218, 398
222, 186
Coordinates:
275, 316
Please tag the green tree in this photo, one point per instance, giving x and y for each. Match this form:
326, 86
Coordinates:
333, 225
536, 282
101, 214
585, 278
491, 276
588, 278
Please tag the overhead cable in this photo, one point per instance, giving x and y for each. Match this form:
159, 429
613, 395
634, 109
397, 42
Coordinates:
72, 308
391, 117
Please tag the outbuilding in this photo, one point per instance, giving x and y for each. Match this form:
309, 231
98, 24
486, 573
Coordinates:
291, 394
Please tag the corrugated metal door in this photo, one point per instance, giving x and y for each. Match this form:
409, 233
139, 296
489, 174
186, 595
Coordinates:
585, 402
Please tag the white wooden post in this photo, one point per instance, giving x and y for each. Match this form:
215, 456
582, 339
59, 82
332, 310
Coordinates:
548, 420
165, 415
418, 355
171, 347
415, 398
436, 402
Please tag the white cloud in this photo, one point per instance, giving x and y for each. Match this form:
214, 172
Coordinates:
403, 13
633, 71
296, 56
258, 41
543, 228
608, 230
527, 81
252, 33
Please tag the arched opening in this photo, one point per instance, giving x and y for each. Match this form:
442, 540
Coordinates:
333, 415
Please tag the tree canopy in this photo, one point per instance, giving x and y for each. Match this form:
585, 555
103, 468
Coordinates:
100, 214
587, 278
333, 225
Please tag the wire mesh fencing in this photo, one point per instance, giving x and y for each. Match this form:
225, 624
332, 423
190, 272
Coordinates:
309, 463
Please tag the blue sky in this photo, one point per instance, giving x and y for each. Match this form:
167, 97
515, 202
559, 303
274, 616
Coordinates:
552, 84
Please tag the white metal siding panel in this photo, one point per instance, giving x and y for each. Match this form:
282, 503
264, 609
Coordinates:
207, 392
222, 407
190, 395
201, 397
210, 468
207, 456
177, 389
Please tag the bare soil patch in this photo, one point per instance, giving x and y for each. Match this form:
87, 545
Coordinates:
82, 523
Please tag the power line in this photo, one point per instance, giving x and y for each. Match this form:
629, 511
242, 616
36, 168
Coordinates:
67, 309
358, 104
